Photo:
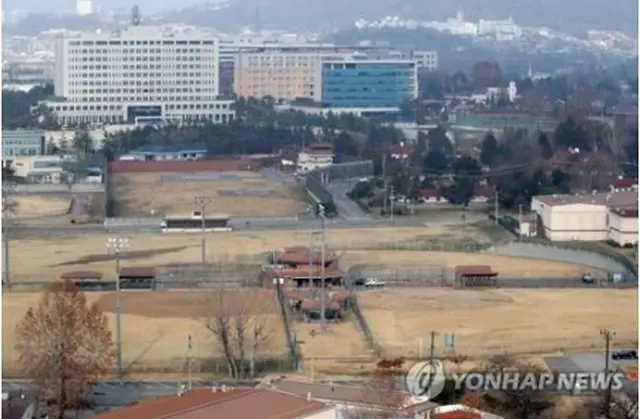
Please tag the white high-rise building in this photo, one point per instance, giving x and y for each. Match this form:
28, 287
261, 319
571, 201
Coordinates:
85, 7
139, 73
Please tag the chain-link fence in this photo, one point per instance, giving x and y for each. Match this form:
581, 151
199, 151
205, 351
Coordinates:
350, 170
450, 343
408, 275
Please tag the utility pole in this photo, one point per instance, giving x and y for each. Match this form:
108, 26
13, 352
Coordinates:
189, 362
323, 314
497, 207
115, 246
201, 204
607, 335
7, 207
391, 198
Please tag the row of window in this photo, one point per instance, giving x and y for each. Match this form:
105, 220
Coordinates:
160, 76
72, 108
114, 51
105, 59
119, 99
142, 42
147, 90
78, 70
10, 151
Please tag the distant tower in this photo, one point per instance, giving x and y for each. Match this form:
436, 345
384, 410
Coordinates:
135, 15
85, 7
460, 16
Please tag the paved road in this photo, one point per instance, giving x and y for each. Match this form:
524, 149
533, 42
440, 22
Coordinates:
347, 208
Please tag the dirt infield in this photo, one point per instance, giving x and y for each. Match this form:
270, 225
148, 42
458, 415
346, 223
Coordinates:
142, 194
155, 326
59, 254
498, 321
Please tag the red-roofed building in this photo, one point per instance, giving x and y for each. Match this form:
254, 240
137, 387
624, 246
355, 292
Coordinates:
231, 404
431, 196
481, 194
624, 184
400, 151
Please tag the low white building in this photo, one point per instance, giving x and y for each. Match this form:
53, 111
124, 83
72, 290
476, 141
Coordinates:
623, 226
579, 217
315, 156
38, 169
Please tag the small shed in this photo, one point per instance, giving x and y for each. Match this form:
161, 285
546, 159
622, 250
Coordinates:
137, 278
475, 275
312, 309
86, 280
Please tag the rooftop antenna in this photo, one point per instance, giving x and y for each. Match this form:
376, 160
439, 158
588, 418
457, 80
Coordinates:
135, 15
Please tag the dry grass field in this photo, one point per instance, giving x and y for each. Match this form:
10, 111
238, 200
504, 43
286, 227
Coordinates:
155, 326
144, 193
487, 322
58, 254
506, 266
35, 205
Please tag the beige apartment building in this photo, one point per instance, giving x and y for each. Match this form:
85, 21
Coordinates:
284, 75
589, 217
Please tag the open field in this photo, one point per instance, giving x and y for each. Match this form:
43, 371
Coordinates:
146, 193
156, 325
498, 321
506, 266
46, 204
63, 254
67, 253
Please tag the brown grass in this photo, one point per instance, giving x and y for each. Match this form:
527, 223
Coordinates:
56, 255
488, 322
142, 193
155, 326
507, 266
34, 205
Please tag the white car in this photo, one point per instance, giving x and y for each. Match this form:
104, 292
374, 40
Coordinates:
373, 283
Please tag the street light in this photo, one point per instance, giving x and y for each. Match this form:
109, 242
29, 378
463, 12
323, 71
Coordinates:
115, 246
201, 203
323, 316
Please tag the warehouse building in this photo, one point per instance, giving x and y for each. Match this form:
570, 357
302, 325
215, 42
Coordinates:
590, 217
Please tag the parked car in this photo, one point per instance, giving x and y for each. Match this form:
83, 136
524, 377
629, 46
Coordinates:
373, 283
624, 355
359, 282
587, 278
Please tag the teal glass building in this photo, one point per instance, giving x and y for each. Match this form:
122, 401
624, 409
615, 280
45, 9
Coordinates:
368, 83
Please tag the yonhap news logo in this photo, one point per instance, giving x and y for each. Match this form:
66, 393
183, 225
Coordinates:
428, 379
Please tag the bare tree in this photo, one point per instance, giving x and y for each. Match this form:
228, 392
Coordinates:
239, 322
621, 407
381, 397
519, 403
64, 344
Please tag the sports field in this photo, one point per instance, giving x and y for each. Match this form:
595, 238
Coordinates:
497, 321
59, 254
233, 193
156, 325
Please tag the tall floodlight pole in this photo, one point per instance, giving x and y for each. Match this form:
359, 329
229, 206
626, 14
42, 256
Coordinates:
607, 335
7, 207
201, 204
323, 314
115, 246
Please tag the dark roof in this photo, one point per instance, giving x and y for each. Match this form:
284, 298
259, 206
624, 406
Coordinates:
625, 182
475, 270
626, 212
15, 403
178, 166
429, 193
316, 305
81, 275
297, 255
171, 148
233, 404
138, 272
400, 149
482, 191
